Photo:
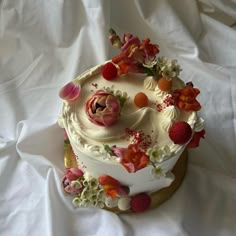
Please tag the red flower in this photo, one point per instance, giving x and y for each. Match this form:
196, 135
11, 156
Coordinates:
140, 202
185, 98
134, 159
196, 139
111, 186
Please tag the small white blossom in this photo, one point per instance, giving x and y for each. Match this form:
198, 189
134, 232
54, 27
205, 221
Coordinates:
168, 68
158, 172
99, 203
86, 203
86, 193
76, 184
93, 183
76, 201
101, 195
158, 154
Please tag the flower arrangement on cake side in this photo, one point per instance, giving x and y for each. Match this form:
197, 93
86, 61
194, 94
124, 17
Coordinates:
104, 107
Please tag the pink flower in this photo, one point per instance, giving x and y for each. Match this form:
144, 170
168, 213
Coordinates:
70, 91
119, 152
72, 174
129, 40
134, 52
102, 108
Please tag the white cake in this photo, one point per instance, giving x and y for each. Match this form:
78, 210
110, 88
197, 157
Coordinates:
128, 150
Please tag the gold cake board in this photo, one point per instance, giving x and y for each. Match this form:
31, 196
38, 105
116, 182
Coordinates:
157, 198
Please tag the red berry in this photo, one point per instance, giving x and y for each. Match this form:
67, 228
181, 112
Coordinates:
140, 202
109, 71
180, 132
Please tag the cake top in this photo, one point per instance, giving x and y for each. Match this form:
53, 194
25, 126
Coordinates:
114, 98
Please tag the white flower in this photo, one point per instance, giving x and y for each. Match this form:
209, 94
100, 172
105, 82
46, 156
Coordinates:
85, 183
86, 193
90, 181
101, 195
76, 201
158, 172
158, 154
93, 183
162, 61
99, 204
86, 203
168, 68
76, 184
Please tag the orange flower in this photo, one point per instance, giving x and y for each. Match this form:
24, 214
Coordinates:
134, 159
186, 98
111, 186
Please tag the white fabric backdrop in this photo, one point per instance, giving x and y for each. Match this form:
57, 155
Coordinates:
44, 44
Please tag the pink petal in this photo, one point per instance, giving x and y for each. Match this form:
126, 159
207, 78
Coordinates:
70, 91
76, 171
108, 119
112, 104
129, 167
119, 151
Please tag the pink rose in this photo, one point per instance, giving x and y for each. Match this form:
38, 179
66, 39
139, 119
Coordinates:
72, 174
102, 108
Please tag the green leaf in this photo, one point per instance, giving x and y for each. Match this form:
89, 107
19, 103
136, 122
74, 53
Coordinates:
108, 149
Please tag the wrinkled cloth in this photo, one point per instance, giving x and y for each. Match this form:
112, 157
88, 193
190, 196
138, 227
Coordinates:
46, 44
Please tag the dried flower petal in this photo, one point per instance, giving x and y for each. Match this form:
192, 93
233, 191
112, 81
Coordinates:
70, 91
